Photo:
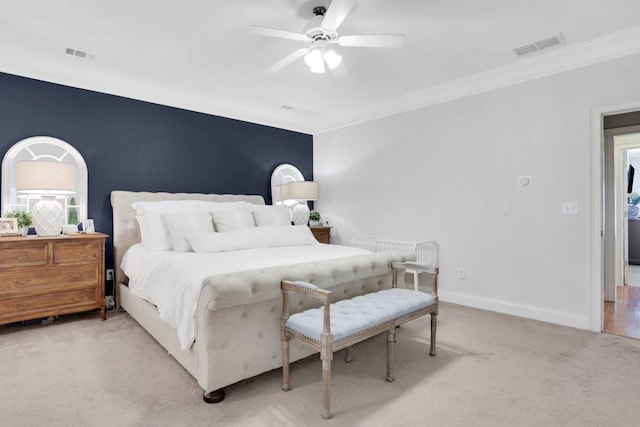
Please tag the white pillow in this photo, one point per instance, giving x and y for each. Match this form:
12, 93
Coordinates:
288, 235
161, 206
232, 220
182, 224
153, 232
221, 206
252, 238
271, 215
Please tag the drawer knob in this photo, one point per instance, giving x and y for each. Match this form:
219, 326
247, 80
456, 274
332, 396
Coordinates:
78, 275
77, 299
21, 281
77, 252
21, 256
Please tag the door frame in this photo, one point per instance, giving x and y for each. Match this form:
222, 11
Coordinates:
623, 140
597, 206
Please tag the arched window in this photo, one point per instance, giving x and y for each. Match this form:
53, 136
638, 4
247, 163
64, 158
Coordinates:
44, 148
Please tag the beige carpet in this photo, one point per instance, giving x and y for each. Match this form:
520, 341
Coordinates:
491, 370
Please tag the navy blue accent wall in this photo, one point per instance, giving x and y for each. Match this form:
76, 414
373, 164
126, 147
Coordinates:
140, 146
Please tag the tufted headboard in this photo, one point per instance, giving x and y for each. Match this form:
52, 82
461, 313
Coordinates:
125, 226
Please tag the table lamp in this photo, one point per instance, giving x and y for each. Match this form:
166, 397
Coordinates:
47, 179
302, 191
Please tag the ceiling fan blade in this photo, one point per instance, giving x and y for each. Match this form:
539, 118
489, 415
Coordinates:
287, 60
272, 32
382, 40
338, 10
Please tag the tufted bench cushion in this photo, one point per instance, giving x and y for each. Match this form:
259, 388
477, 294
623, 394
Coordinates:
352, 316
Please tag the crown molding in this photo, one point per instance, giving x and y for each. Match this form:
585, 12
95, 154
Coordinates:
538, 65
564, 58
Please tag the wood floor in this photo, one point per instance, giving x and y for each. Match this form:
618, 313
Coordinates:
623, 316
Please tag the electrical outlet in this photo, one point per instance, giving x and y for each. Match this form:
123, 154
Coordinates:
109, 274
109, 302
461, 273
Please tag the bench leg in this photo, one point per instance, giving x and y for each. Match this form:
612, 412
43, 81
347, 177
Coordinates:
285, 363
434, 324
326, 384
391, 337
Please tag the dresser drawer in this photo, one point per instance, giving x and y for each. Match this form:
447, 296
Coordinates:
51, 275
23, 255
76, 251
58, 301
33, 280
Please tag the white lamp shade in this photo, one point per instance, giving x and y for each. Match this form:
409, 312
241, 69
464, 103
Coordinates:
318, 57
42, 177
332, 58
302, 190
314, 59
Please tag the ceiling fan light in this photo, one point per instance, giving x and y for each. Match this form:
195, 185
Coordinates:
315, 61
332, 58
313, 58
319, 68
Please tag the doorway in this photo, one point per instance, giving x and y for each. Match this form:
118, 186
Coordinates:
622, 267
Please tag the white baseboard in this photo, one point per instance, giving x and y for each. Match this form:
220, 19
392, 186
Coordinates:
574, 320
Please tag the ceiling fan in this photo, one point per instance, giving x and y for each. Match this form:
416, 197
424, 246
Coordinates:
320, 33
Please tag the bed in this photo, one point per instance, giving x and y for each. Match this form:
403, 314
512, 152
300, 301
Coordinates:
226, 327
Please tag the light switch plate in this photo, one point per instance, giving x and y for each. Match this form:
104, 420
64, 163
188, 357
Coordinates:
570, 208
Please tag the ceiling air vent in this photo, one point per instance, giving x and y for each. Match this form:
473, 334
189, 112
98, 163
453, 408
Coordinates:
79, 54
538, 45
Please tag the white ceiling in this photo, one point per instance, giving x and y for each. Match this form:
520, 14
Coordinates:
195, 54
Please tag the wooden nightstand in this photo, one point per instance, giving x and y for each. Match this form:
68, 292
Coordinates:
322, 234
48, 276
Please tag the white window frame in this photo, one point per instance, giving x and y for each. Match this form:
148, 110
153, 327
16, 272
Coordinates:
38, 148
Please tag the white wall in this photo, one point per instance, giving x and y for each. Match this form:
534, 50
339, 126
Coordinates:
445, 172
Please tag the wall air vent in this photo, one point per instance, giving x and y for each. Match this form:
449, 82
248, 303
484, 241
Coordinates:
540, 44
79, 54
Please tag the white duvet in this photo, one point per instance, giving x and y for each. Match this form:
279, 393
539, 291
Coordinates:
172, 280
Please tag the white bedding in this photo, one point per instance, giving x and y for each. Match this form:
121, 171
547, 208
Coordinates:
172, 280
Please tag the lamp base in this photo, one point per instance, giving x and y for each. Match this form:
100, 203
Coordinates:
300, 214
48, 216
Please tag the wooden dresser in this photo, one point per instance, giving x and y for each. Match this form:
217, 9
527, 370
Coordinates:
322, 234
48, 276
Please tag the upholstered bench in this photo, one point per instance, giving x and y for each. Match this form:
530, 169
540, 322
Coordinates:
335, 326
